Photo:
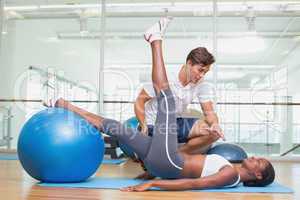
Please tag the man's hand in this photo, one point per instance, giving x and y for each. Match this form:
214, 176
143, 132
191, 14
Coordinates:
216, 130
138, 188
144, 128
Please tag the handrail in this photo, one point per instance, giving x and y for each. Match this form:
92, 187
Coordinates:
60, 78
6, 141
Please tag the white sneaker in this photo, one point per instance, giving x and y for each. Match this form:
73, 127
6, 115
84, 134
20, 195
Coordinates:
49, 103
157, 31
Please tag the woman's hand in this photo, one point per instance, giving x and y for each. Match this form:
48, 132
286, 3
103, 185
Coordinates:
145, 176
138, 188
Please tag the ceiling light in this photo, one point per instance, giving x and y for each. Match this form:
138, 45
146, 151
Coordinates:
297, 38
137, 4
70, 6
250, 19
172, 6
246, 66
293, 7
21, 8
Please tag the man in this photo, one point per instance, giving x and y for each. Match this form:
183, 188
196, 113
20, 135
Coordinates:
186, 85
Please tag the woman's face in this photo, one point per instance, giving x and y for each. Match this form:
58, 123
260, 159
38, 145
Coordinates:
255, 165
197, 72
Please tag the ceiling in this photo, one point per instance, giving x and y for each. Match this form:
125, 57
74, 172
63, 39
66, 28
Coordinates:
92, 8
275, 23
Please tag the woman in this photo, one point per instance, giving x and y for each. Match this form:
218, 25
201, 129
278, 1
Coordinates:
160, 153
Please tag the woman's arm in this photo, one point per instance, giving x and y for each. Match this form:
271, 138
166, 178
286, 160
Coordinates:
145, 176
226, 176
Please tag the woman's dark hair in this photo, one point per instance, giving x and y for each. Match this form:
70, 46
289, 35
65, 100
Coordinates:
268, 176
200, 55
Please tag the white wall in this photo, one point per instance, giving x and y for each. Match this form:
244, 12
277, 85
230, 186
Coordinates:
293, 64
32, 42
8, 74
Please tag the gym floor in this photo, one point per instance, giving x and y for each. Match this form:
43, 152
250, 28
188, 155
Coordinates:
15, 184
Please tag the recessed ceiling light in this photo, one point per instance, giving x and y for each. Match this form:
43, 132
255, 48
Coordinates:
297, 38
285, 53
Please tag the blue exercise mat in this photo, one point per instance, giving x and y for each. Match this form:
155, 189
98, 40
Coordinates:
9, 157
113, 161
105, 161
117, 183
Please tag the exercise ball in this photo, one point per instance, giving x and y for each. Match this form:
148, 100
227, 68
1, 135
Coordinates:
56, 145
130, 123
232, 152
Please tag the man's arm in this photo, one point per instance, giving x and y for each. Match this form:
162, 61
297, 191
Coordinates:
211, 117
139, 107
209, 113
226, 176
198, 144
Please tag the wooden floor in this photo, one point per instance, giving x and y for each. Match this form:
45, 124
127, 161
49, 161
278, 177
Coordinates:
15, 184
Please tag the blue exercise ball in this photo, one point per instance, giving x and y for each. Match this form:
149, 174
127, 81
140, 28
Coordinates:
130, 123
231, 152
56, 145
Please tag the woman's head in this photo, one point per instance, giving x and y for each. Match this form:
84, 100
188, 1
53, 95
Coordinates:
261, 171
198, 63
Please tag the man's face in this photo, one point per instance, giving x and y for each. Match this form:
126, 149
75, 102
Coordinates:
197, 72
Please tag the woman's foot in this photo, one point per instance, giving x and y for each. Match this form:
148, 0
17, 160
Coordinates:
157, 31
60, 103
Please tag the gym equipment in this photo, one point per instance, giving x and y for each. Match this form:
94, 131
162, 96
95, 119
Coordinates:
290, 150
112, 148
130, 123
184, 125
232, 152
5, 126
113, 161
56, 145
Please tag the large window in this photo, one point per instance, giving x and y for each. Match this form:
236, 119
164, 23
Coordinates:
51, 49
